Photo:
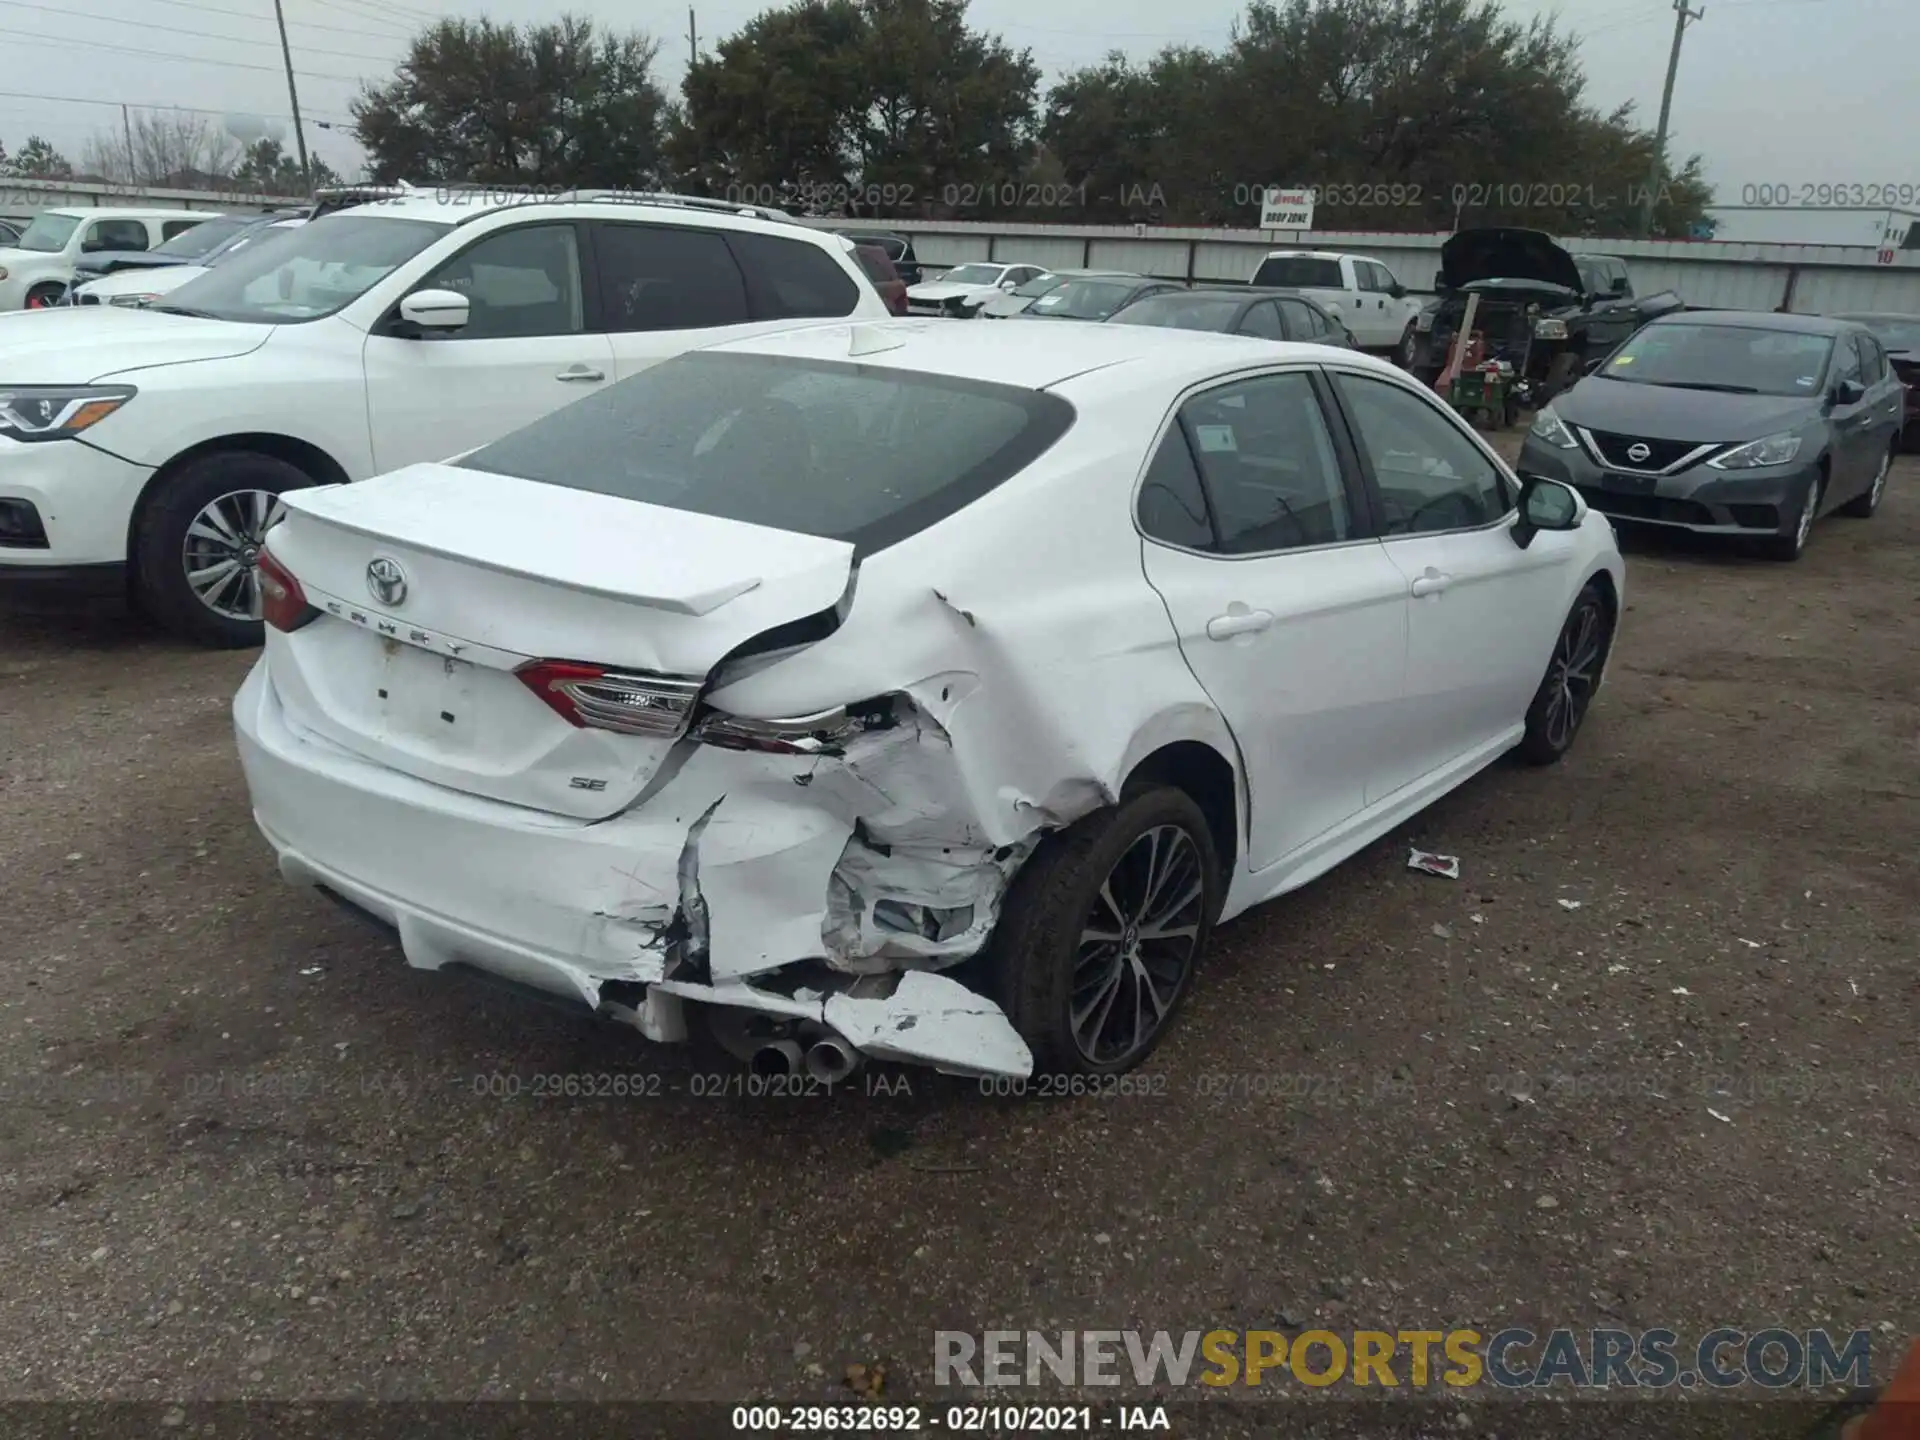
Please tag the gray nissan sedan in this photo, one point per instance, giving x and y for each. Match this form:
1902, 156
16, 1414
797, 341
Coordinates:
1729, 423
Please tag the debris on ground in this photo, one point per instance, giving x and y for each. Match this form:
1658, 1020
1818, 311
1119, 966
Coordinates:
867, 1380
1566, 904
1428, 863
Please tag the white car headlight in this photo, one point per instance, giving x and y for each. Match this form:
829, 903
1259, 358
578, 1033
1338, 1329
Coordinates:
57, 412
1551, 428
1773, 450
134, 300
1549, 329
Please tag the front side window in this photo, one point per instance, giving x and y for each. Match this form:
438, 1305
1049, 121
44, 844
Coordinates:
48, 232
1430, 476
668, 277
1304, 321
1872, 367
519, 283
1846, 363
173, 229
1267, 461
307, 272
858, 453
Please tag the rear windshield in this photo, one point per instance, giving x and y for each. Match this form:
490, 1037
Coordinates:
862, 453
1298, 271
1182, 312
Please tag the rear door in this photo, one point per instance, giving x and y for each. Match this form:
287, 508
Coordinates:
666, 289
1482, 613
1287, 609
527, 348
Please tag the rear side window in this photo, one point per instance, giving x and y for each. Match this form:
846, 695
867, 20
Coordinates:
1262, 320
1173, 507
171, 228
792, 279
1269, 466
1304, 321
666, 277
879, 269
866, 454
1295, 272
116, 235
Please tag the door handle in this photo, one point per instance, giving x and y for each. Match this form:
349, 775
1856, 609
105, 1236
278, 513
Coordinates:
581, 372
1238, 622
1431, 583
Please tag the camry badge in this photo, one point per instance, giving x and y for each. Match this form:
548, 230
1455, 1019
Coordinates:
1636, 452
386, 581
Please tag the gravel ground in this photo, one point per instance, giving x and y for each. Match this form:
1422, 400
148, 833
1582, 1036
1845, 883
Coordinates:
1651, 1061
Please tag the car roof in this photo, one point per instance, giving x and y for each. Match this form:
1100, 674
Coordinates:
1863, 317
1132, 357
134, 212
454, 205
1763, 320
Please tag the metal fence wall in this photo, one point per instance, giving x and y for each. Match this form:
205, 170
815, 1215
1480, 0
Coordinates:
1733, 275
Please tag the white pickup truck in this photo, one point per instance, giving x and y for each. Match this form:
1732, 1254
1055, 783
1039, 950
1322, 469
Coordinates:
1361, 291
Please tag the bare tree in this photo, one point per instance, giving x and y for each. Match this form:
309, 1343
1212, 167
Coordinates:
169, 148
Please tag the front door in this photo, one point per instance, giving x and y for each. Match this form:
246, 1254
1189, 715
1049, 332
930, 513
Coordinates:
1482, 613
525, 350
1287, 610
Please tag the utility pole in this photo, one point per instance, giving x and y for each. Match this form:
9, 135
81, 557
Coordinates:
693, 40
1681, 15
293, 96
126, 125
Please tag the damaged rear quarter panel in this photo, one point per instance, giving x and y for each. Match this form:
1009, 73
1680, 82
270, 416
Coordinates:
1041, 668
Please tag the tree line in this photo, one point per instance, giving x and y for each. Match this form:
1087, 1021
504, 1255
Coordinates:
174, 150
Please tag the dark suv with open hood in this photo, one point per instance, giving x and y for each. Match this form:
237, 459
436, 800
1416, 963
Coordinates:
1544, 310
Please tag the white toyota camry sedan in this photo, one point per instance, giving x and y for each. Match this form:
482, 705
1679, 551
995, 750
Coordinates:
892, 690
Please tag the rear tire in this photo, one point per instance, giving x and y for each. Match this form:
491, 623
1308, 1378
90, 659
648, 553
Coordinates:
1861, 507
1791, 544
1144, 875
1573, 676
210, 517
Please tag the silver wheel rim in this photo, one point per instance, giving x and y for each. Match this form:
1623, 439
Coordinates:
1806, 518
1573, 673
221, 554
1137, 946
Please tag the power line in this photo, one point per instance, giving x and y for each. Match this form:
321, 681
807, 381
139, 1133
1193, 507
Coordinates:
181, 30
391, 14
33, 37
265, 20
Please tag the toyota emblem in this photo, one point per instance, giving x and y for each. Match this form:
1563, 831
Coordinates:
386, 581
1636, 452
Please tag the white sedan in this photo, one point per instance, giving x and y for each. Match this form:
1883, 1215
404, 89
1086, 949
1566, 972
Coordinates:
963, 290
890, 690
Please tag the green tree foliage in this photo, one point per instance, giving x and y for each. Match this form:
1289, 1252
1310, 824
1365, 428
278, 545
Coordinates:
860, 104
553, 104
1406, 114
267, 169
38, 160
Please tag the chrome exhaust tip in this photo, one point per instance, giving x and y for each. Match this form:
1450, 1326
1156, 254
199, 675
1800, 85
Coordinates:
832, 1060
781, 1057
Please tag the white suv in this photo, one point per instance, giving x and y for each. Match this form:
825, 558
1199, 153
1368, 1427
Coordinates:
141, 450
36, 269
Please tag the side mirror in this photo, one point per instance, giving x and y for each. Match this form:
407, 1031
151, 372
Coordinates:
435, 309
1546, 505
1397, 290
1849, 392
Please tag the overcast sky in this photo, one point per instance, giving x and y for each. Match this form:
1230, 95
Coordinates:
1787, 91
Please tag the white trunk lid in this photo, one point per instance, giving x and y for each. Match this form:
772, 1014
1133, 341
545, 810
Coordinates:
499, 571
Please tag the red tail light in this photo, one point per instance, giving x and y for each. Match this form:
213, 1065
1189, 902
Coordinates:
283, 604
822, 734
593, 697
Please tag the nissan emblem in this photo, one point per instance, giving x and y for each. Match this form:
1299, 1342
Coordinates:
1636, 452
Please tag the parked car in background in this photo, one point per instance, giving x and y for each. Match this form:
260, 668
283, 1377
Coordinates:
1241, 310
1899, 336
695, 771
885, 278
897, 248
1729, 422
962, 290
37, 268
189, 247
1366, 295
1020, 299
1544, 310
143, 450
1095, 297
141, 283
